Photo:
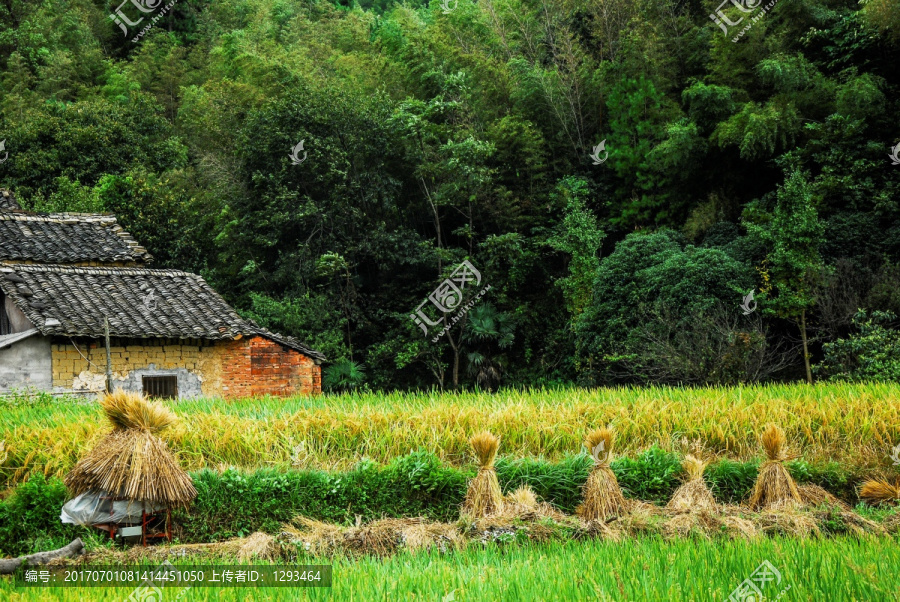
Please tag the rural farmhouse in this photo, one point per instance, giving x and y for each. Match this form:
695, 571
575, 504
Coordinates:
65, 278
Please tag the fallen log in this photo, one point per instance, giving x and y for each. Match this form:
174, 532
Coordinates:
9, 566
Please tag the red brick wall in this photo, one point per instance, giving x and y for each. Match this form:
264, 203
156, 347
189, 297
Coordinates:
258, 366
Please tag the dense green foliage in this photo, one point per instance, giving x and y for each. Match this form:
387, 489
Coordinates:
29, 518
235, 503
871, 354
432, 136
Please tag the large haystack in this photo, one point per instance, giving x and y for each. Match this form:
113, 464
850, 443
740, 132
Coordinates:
603, 499
131, 462
774, 488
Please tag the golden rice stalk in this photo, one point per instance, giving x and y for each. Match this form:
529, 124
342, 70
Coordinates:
523, 496
773, 442
133, 411
877, 491
603, 498
483, 496
486, 446
774, 487
693, 495
599, 443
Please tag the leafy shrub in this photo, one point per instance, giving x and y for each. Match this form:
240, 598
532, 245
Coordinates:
650, 287
653, 476
234, 503
344, 375
872, 354
29, 519
559, 483
729, 481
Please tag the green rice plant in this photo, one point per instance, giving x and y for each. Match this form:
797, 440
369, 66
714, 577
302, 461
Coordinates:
841, 568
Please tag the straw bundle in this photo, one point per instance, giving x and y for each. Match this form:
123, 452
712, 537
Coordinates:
693, 495
523, 504
131, 461
774, 486
815, 496
132, 411
603, 498
877, 491
484, 497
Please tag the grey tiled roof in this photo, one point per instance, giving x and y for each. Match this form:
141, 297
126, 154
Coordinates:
7, 201
66, 238
139, 303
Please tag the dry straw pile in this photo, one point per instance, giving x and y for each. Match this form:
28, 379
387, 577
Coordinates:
774, 488
603, 498
694, 495
131, 461
878, 491
484, 497
381, 538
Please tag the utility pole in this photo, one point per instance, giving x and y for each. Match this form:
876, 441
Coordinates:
108, 356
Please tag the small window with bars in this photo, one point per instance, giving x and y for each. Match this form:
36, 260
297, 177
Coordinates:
165, 387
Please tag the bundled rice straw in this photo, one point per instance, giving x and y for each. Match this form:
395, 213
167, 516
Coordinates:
774, 486
523, 504
131, 461
484, 497
877, 491
814, 496
603, 498
693, 495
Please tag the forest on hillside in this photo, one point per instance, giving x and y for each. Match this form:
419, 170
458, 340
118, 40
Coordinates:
622, 174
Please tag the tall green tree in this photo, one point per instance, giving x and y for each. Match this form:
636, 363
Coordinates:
792, 234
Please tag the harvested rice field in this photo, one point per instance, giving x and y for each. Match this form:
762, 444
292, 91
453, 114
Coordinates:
618, 494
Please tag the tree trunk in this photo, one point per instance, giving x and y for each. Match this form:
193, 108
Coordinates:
805, 347
9, 566
455, 361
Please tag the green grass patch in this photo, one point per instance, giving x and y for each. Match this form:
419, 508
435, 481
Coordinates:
652, 569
